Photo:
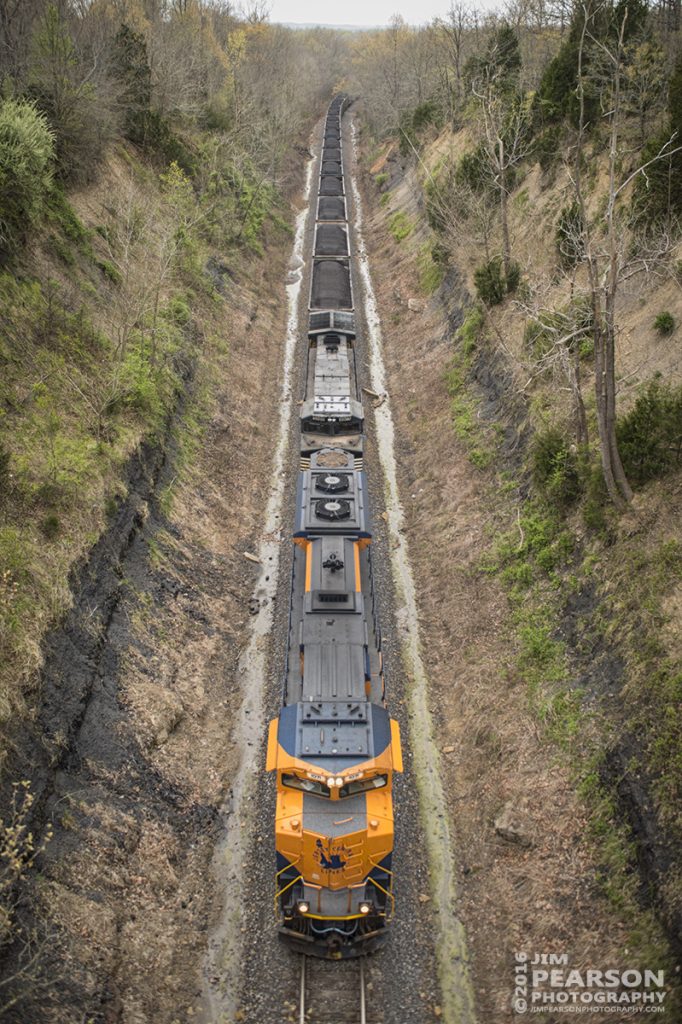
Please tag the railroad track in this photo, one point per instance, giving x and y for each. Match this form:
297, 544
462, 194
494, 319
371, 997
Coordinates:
334, 992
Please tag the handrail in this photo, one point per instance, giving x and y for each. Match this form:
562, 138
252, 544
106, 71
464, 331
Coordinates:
387, 892
282, 891
380, 868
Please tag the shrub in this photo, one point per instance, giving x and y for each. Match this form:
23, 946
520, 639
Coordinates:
650, 435
574, 322
110, 271
665, 323
472, 170
399, 225
380, 179
143, 125
489, 282
658, 193
513, 278
5, 476
471, 331
26, 157
539, 335
51, 526
61, 249
597, 506
431, 270
569, 236
555, 467
548, 147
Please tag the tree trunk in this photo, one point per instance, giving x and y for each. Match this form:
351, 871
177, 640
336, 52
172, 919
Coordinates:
571, 366
610, 423
604, 446
582, 434
506, 247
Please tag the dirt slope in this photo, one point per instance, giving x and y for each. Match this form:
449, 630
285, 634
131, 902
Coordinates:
528, 875
139, 695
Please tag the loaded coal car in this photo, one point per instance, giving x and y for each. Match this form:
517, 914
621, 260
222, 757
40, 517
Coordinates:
331, 208
331, 285
331, 240
331, 185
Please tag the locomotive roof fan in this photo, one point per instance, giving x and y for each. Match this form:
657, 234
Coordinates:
332, 483
332, 510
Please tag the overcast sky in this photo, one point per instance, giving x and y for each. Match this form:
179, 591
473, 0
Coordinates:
356, 12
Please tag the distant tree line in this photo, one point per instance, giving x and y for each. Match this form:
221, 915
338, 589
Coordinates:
163, 74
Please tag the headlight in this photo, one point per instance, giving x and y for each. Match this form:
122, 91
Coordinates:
364, 907
303, 907
339, 780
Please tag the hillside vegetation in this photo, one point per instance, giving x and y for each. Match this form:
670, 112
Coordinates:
529, 168
144, 156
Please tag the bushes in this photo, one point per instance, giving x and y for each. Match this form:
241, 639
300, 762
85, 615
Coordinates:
665, 323
573, 323
513, 279
569, 236
74, 93
431, 265
26, 158
548, 147
143, 125
658, 193
472, 170
555, 466
5, 475
650, 435
412, 122
491, 284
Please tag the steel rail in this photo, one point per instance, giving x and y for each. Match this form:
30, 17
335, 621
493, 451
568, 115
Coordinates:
302, 1019
301, 1015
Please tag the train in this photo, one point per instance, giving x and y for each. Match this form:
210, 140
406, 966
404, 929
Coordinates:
334, 748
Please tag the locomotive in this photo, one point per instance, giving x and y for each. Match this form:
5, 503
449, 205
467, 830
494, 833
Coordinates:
333, 746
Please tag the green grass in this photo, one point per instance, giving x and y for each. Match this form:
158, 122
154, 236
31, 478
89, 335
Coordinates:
431, 273
481, 438
400, 226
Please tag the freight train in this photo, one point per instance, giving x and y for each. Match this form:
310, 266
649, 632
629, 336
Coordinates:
333, 746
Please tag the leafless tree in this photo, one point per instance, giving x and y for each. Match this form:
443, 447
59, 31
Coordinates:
605, 243
453, 29
506, 135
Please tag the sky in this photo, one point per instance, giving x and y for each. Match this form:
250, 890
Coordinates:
355, 12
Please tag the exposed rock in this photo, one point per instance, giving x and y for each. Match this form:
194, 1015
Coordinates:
510, 825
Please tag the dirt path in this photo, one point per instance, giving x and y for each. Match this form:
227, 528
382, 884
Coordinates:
451, 946
221, 989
